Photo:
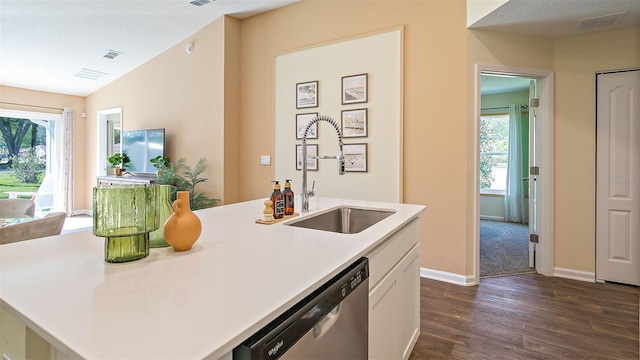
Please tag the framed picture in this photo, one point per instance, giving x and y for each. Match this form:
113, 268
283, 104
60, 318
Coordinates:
354, 123
312, 150
307, 95
302, 120
355, 157
354, 89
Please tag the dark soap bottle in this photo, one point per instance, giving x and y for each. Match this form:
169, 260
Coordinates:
289, 199
277, 200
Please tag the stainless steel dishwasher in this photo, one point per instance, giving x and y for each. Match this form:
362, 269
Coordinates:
330, 323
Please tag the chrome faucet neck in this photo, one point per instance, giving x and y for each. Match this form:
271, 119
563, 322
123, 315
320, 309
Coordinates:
306, 195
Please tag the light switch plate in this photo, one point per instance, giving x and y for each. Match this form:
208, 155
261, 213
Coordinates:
265, 160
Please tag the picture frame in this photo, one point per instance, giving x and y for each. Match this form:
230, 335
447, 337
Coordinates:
312, 150
354, 89
355, 157
307, 95
354, 123
301, 123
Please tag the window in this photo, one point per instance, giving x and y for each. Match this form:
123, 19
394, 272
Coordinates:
494, 153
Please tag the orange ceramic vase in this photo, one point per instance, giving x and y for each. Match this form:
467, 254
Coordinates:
183, 227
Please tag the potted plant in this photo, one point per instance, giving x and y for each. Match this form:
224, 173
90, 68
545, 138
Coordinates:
160, 162
183, 177
119, 162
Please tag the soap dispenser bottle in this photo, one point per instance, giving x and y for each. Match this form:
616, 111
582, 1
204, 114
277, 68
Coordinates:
288, 198
277, 200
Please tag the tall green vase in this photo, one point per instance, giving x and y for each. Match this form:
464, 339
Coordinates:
164, 210
125, 215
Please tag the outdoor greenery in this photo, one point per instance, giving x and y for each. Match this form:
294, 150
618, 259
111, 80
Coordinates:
28, 168
183, 177
494, 138
16, 134
8, 182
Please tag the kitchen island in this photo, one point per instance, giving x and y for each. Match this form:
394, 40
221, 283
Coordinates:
197, 304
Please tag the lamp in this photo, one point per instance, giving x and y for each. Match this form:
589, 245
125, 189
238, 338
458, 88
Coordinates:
125, 215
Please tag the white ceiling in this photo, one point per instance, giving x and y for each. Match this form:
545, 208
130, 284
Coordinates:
45, 43
558, 18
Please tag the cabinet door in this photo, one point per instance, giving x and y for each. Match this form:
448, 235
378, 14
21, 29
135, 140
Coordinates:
394, 310
409, 301
383, 319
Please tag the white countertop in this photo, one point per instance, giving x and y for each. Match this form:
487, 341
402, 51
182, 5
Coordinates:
196, 304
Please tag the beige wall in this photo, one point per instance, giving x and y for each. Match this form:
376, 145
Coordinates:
185, 94
576, 60
435, 59
232, 136
38, 101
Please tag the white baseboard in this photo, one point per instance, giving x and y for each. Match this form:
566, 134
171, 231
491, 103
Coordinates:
463, 280
574, 274
82, 212
452, 278
493, 218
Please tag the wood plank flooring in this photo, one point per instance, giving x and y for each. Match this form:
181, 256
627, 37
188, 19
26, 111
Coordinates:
528, 316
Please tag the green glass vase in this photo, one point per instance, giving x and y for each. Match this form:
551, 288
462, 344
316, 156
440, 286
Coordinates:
164, 210
125, 215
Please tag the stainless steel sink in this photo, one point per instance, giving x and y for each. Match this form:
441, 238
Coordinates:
344, 219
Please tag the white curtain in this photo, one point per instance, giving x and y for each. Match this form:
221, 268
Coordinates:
65, 173
514, 204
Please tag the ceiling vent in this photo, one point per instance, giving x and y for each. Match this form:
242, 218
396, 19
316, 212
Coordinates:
90, 74
594, 22
112, 54
200, 2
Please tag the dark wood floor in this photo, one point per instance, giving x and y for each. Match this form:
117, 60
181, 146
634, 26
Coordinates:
528, 317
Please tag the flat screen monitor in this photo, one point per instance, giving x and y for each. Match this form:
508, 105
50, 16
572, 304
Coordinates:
142, 146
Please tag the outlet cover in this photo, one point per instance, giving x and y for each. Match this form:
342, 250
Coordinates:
265, 160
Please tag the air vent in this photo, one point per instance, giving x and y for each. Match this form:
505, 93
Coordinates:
594, 22
90, 74
200, 2
112, 54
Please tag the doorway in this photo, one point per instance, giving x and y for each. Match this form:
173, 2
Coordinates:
542, 252
109, 137
37, 148
504, 167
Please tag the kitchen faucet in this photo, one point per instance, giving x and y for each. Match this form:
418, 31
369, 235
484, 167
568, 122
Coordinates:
305, 193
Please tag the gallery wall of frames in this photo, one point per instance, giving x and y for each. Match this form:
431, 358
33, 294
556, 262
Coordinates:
357, 83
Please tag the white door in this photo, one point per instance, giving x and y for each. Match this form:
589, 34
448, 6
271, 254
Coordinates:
618, 177
533, 109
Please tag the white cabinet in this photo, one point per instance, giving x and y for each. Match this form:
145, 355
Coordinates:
394, 295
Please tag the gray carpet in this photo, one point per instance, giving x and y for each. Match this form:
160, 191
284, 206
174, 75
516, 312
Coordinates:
504, 248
